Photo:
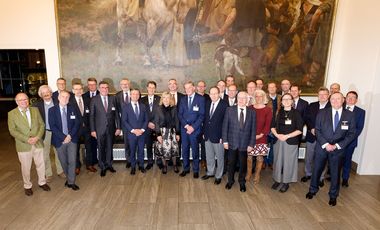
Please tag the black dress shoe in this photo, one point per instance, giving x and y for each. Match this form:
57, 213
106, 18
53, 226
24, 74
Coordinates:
310, 195
321, 183
133, 171
196, 175
332, 201
176, 170
183, 173
73, 187
243, 188
275, 185
128, 165
112, 170
284, 187
164, 169
217, 181
28, 191
103, 173
345, 183
66, 184
305, 178
205, 177
142, 170
45, 187
148, 166
229, 186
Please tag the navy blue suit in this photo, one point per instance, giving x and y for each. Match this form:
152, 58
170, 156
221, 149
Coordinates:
129, 122
301, 107
194, 117
359, 121
310, 117
238, 140
325, 134
213, 126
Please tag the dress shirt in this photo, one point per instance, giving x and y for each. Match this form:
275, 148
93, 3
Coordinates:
350, 107
138, 107
244, 112
77, 99
215, 105
92, 94
231, 101
333, 111
27, 112
106, 98
322, 106
47, 106
175, 97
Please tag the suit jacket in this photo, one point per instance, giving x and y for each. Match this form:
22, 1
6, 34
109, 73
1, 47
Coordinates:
359, 121
55, 122
85, 118
87, 94
102, 121
324, 128
193, 116
301, 107
55, 94
40, 104
156, 101
310, 115
120, 103
270, 104
213, 126
179, 98
130, 120
226, 99
159, 120
20, 130
236, 137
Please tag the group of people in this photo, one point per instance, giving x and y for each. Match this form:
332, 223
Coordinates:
227, 131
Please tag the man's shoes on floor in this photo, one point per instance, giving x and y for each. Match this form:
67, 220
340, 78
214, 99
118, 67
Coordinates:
142, 170
321, 183
49, 179
205, 177
133, 171
217, 181
91, 168
243, 188
62, 175
229, 186
328, 178
196, 175
284, 187
45, 187
103, 173
183, 173
72, 186
164, 169
310, 195
176, 170
275, 185
128, 165
332, 201
305, 178
345, 183
111, 169
203, 164
149, 166
28, 191
77, 171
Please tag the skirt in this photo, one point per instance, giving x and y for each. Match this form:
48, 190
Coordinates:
169, 147
259, 150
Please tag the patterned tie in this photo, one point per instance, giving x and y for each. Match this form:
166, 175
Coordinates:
105, 104
150, 105
80, 103
173, 98
189, 105
64, 121
241, 120
24, 116
136, 111
336, 120
212, 110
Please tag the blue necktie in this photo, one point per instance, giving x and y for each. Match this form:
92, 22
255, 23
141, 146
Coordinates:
189, 103
136, 111
64, 122
336, 120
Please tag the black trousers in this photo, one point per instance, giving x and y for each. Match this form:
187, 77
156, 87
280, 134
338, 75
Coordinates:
234, 155
126, 145
149, 139
85, 138
105, 149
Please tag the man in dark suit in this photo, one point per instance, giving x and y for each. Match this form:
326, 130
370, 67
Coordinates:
135, 122
310, 117
251, 87
201, 90
274, 102
222, 88
239, 137
151, 102
123, 97
351, 100
191, 115
61, 86
299, 103
335, 129
232, 92
64, 124
104, 124
82, 105
212, 127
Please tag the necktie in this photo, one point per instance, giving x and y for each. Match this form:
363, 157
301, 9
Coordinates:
189, 103
126, 98
64, 121
105, 104
150, 105
136, 111
336, 120
241, 120
24, 116
92, 94
173, 97
348, 108
80, 103
212, 109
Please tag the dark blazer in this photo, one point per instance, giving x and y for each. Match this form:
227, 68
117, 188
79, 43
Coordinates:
310, 116
120, 103
87, 94
324, 128
225, 96
179, 98
270, 104
40, 104
226, 99
301, 107
55, 94
130, 121
159, 120
85, 118
192, 117
213, 126
359, 121
102, 121
55, 122
156, 102
232, 134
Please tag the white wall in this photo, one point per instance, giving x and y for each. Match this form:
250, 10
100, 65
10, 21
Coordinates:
355, 56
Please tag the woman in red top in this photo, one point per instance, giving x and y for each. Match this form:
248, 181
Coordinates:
263, 122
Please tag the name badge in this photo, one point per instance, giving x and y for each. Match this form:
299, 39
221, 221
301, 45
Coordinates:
72, 117
195, 108
113, 108
344, 125
288, 122
87, 111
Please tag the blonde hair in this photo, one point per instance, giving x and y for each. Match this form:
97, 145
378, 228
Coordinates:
167, 94
262, 93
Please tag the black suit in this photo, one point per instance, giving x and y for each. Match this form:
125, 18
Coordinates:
121, 102
150, 133
104, 123
94, 142
301, 107
342, 136
179, 98
88, 95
